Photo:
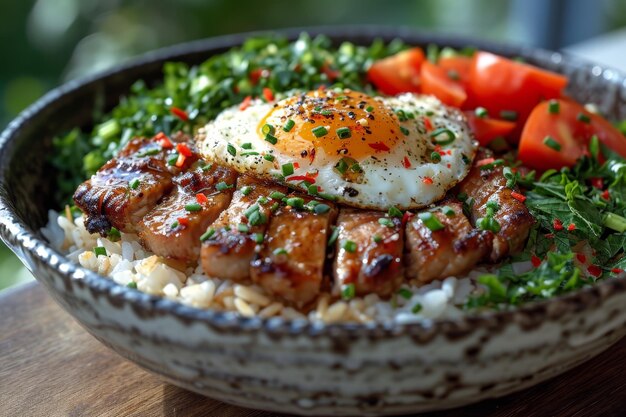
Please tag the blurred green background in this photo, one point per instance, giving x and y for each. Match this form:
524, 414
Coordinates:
47, 42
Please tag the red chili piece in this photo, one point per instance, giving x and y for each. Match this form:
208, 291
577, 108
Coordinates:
180, 113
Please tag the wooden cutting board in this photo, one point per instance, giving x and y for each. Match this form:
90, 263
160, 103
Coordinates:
50, 366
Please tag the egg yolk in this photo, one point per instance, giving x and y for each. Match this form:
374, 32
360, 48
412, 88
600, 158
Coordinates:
342, 123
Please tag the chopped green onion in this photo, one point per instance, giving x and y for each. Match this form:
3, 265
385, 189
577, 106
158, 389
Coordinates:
448, 211
280, 251
488, 223
231, 150
100, 251
435, 157
582, 117
341, 166
401, 115
132, 284
481, 112
243, 228
615, 222
268, 157
356, 167
313, 189
274, 206
277, 195
271, 139
404, 130
172, 159
319, 131
326, 112
289, 125
296, 202
257, 218
377, 238
553, 107
193, 207
246, 190
405, 293
134, 184
510, 115
321, 209
395, 212
431, 221
492, 165
349, 246
207, 235
594, 147
246, 145
343, 132
252, 209
287, 169
206, 167
416, 308
369, 109
222, 186
268, 129
450, 136
333, 236
258, 238
251, 153
327, 196
348, 291
109, 129
263, 200
174, 224
551, 143
114, 234
148, 152
385, 221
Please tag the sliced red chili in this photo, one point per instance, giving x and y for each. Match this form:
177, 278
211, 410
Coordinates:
379, 146
183, 149
535, 261
557, 225
571, 227
201, 198
163, 141
301, 178
181, 160
519, 197
245, 103
606, 195
594, 270
427, 180
597, 183
406, 163
268, 94
180, 113
581, 258
617, 270
183, 221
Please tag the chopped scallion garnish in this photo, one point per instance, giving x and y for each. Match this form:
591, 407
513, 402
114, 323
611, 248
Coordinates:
349, 246
207, 235
193, 207
333, 236
289, 125
277, 195
551, 143
231, 150
385, 221
246, 189
343, 132
553, 107
222, 186
394, 212
431, 221
449, 136
448, 211
134, 184
258, 238
243, 228
268, 157
582, 117
510, 115
321, 208
268, 129
348, 291
319, 131
280, 251
100, 251
481, 112
271, 139
287, 169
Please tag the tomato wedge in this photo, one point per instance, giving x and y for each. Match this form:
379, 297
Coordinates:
570, 130
437, 81
502, 85
487, 129
398, 73
458, 67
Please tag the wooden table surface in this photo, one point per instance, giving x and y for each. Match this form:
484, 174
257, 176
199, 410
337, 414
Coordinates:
50, 366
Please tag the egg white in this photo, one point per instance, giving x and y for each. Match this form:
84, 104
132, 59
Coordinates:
387, 180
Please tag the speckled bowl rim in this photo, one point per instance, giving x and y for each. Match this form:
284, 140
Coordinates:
20, 237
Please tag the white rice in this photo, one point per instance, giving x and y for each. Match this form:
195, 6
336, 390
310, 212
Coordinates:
127, 262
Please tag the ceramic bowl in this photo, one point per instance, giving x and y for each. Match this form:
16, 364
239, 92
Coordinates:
300, 367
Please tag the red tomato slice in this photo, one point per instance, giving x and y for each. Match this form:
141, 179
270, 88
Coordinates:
398, 73
486, 129
570, 133
501, 84
436, 81
457, 66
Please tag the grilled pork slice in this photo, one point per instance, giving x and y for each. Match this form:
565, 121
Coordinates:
130, 185
234, 235
290, 264
369, 253
453, 250
173, 228
514, 219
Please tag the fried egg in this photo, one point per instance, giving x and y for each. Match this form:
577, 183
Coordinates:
363, 151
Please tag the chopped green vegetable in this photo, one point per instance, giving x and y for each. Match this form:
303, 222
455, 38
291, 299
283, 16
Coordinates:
100, 251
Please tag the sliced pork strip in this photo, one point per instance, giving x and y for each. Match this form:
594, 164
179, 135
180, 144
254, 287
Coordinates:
290, 264
130, 185
369, 254
231, 247
483, 185
453, 250
173, 228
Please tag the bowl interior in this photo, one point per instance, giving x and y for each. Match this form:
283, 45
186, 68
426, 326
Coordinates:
28, 180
